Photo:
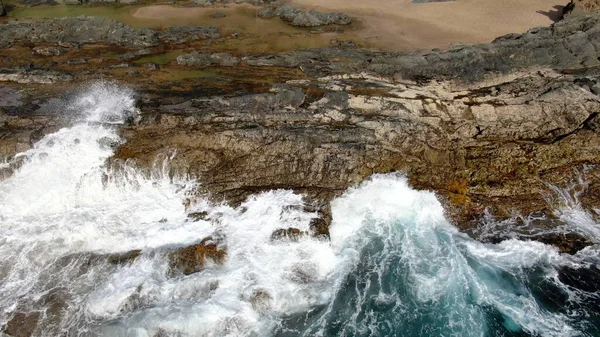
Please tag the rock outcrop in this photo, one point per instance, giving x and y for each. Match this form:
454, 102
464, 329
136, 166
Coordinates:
77, 30
202, 60
579, 7
299, 18
484, 126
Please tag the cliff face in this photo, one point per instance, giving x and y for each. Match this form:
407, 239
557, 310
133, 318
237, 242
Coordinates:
487, 126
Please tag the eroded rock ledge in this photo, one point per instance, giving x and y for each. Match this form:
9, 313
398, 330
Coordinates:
486, 126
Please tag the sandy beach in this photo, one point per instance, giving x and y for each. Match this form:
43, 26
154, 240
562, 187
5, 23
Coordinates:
401, 24
393, 24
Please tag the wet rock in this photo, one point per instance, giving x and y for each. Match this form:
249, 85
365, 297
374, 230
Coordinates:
124, 258
2, 9
288, 234
192, 259
566, 243
261, 301
197, 216
22, 324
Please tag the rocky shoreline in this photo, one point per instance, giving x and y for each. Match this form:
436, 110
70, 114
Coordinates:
491, 128
485, 126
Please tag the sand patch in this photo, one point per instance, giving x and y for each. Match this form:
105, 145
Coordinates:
401, 24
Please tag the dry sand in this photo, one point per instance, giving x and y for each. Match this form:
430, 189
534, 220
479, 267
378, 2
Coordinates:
395, 24
400, 24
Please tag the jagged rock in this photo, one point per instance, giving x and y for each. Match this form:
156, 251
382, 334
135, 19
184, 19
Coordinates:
313, 18
332, 18
202, 60
266, 13
290, 234
203, 2
192, 259
306, 20
287, 12
48, 51
195, 59
2, 9
579, 7
225, 60
33, 76
81, 29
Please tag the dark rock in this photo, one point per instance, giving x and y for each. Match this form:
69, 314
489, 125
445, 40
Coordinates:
2, 9
22, 324
192, 259
567, 243
290, 234
197, 216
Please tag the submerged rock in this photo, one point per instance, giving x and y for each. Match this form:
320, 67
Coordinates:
22, 324
291, 234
